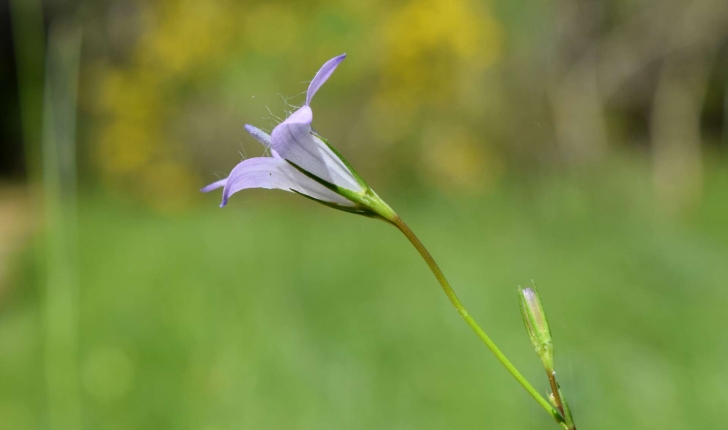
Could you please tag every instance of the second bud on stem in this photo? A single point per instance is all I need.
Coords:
(537, 326)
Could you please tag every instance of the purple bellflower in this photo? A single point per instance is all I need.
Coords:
(305, 163)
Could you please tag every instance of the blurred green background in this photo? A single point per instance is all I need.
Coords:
(581, 144)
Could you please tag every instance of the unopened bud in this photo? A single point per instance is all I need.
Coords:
(534, 318)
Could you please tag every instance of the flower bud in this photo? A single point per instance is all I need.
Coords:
(534, 318)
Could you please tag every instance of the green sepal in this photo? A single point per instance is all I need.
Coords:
(354, 210)
(567, 411)
(367, 200)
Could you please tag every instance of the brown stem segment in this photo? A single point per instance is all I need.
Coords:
(559, 401)
(555, 391)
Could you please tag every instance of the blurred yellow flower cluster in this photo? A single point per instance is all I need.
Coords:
(430, 41)
(436, 51)
(418, 56)
(135, 149)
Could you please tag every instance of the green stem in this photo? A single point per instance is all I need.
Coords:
(473, 325)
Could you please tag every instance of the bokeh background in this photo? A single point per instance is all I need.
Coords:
(579, 143)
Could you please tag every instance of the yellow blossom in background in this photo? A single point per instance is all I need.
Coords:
(266, 38)
(187, 34)
(435, 51)
(428, 42)
(139, 102)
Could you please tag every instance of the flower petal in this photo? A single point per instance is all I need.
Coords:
(275, 173)
(294, 140)
(214, 186)
(322, 75)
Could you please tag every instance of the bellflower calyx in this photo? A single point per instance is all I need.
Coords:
(305, 163)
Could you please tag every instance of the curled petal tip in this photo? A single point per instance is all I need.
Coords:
(322, 75)
(214, 186)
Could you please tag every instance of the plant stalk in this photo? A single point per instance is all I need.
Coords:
(560, 403)
(397, 221)
(555, 391)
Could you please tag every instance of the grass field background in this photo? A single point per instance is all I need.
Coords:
(277, 313)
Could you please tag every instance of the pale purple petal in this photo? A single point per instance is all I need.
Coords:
(214, 186)
(275, 173)
(294, 140)
(322, 75)
(258, 134)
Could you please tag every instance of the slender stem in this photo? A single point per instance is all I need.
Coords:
(473, 325)
(557, 394)
(560, 403)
